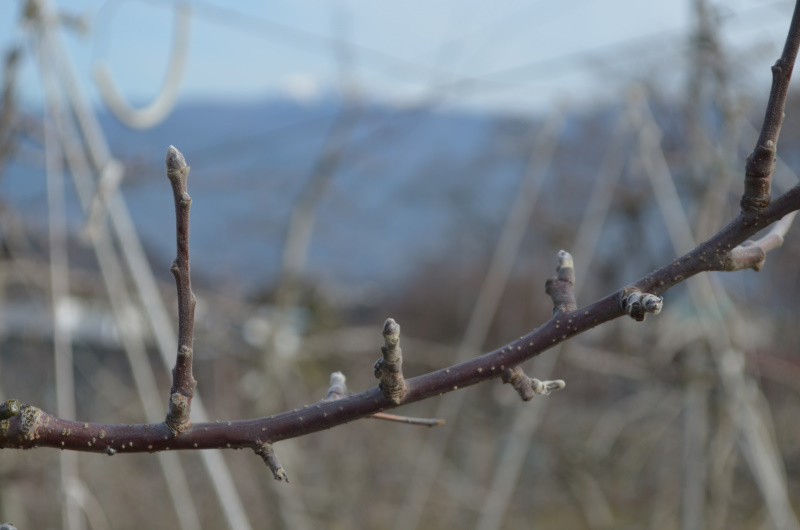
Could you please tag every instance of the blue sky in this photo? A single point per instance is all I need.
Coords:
(517, 56)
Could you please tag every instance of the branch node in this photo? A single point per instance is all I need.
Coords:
(758, 172)
(267, 454)
(389, 369)
(178, 415)
(29, 421)
(561, 287)
(637, 304)
(528, 387)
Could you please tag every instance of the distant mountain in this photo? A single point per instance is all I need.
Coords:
(392, 197)
(406, 189)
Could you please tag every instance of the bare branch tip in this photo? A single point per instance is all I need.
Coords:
(565, 260)
(175, 160)
(338, 378)
(391, 328)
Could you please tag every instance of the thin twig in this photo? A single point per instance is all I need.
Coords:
(267, 453)
(761, 162)
(9, 111)
(428, 422)
(183, 383)
(97, 149)
(111, 271)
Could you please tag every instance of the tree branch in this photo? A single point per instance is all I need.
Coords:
(24, 426)
(32, 427)
(183, 383)
(761, 162)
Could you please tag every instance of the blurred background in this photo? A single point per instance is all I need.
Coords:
(353, 161)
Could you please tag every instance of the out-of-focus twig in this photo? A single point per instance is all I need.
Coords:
(113, 279)
(8, 102)
(505, 254)
(760, 451)
(131, 248)
(59, 289)
(526, 422)
(163, 103)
